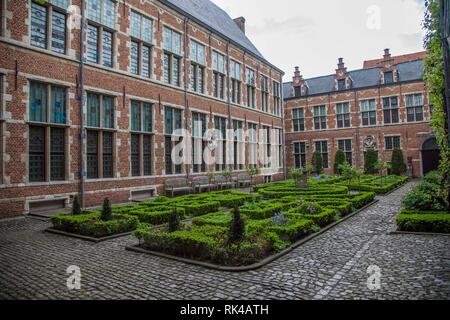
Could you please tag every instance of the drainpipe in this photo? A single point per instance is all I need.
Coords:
(229, 126)
(186, 80)
(82, 106)
(284, 129)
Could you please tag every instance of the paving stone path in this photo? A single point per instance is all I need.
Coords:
(332, 266)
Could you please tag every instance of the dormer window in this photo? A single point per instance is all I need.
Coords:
(341, 85)
(298, 91)
(388, 77)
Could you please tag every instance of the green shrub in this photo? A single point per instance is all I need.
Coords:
(76, 207)
(324, 218)
(295, 230)
(237, 228)
(370, 162)
(435, 222)
(106, 210)
(339, 160)
(309, 208)
(317, 162)
(217, 219)
(422, 200)
(398, 165)
(174, 221)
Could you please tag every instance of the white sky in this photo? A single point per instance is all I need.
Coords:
(313, 34)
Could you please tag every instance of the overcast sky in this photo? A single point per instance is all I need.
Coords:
(313, 34)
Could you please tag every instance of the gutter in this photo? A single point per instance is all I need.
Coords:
(82, 106)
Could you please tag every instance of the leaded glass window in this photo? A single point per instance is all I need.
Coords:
(141, 27)
(57, 154)
(134, 60)
(107, 48)
(135, 156)
(36, 161)
(343, 115)
(58, 105)
(38, 25)
(92, 154)
(102, 11)
(38, 102)
(58, 32)
(369, 112)
(414, 107)
(93, 110)
(107, 154)
(92, 43)
(172, 41)
(108, 112)
(390, 110)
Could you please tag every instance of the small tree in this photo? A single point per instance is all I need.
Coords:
(357, 174)
(398, 163)
(382, 168)
(174, 220)
(347, 172)
(227, 173)
(317, 162)
(253, 170)
(370, 161)
(339, 159)
(237, 228)
(210, 177)
(106, 211)
(76, 208)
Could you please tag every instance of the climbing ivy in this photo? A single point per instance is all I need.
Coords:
(435, 82)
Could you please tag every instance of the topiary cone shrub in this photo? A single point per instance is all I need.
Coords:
(339, 159)
(317, 162)
(398, 165)
(106, 210)
(370, 161)
(174, 221)
(76, 208)
(237, 228)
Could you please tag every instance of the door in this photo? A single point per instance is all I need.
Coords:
(430, 156)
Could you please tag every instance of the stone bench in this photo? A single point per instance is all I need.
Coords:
(201, 183)
(177, 185)
(243, 180)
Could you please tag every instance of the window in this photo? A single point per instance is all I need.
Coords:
(172, 123)
(388, 77)
(250, 79)
(238, 150)
(218, 66)
(390, 110)
(300, 154)
(322, 147)
(102, 12)
(278, 147)
(369, 112)
(172, 56)
(414, 107)
(298, 119)
(142, 35)
(197, 69)
(48, 26)
(47, 138)
(253, 143)
(297, 91)
(346, 147)
(265, 94)
(277, 98)
(100, 136)
(341, 85)
(99, 40)
(220, 125)
(141, 138)
(199, 144)
(267, 147)
(236, 78)
(343, 115)
(320, 117)
(392, 143)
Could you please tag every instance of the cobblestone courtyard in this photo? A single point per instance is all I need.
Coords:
(332, 266)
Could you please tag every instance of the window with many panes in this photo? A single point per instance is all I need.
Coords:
(322, 147)
(414, 107)
(278, 147)
(48, 25)
(388, 77)
(218, 66)
(141, 138)
(238, 145)
(250, 79)
(100, 136)
(100, 31)
(343, 115)
(252, 143)
(47, 132)
(172, 126)
(172, 57)
(298, 119)
(199, 143)
(266, 147)
(346, 147)
(277, 98)
(236, 78)
(369, 112)
(392, 142)
(141, 42)
(220, 126)
(299, 154)
(264, 94)
(341, 85)
(320, 117)
(197, 67)
(390, 110)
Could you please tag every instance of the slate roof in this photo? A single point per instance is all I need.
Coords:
(362, 78)
(217, 19)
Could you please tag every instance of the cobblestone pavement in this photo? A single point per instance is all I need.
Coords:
(332, 266)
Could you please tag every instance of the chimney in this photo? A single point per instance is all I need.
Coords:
(341, 64)
(240, 23)
(387, 54)
(298, 78)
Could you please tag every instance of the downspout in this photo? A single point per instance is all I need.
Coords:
(82, 106)
(186, 101)
(283, 129)
(228, 99)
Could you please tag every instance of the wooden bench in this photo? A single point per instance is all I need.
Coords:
(177, 185)
(243, 180)
(223, 182)
(202, 183)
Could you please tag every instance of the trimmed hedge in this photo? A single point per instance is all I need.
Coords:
(295, 230)
(216, 219)
(424, 221)
(91, 225)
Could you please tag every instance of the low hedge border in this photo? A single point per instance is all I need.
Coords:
(86, 238)
(424, 221)
(255, 266)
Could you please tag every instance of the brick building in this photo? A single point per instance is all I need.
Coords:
(382, 106)
(148, 67)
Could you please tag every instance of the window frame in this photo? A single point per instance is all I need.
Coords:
(265, 93)
(300, 158)
(320, 119)
(325, 160)
(343, 119)
(390, 110)
(174, 169)
(392, 142)
(276, 98)
(203, 118)
(347, 149)
(219, 75)
(369, 112)
(298, 121)
(414, 107)
(251, 87)
(220, 125)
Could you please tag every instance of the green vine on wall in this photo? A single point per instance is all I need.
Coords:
(435, 82)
